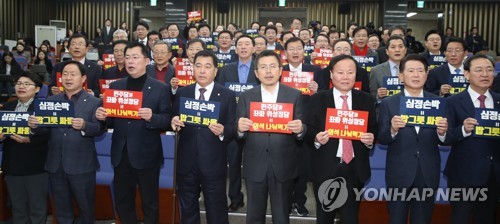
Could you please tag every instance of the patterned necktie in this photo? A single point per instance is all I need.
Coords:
(396, 70)
(346, 144)
(457, 71)
(481, 99)
(202, 94)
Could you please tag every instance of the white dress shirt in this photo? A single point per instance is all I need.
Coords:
(452, 69)
(270, 97)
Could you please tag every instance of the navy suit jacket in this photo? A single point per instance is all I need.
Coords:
(94, 73)
(321, 159)
(469, 160)
(114, 73)
(408, 148)
(438, 77)
(271, 149)
(141, 138)
(69, 147)
(229, 73)
(198, 146)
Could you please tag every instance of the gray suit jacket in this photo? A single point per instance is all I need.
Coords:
(69, 147)
(280, 151)
(377, 77)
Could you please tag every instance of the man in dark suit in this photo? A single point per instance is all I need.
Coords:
(344, 47)
(136, 149)
(271, 34)
(410, 40)
(413, 160)
(474, 162)
(202, 156)
(294, 49)
(72, 158)
(107, 32)
(238, 72)
(78, 50)
(433, 44)
(332, 157)
(142, 30)
(438, 81)
(270, 159)
(118, 71)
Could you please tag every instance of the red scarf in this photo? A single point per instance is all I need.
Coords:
(360, 52)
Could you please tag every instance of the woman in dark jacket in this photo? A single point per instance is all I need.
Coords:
(9, 67)
(23, 158)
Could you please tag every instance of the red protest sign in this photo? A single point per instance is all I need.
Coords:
(184, 74)
(298, 80)
(346, 124)
(104, 83)
(194, 15)
(182, 61)
(109, 60)
(271, 117)
(358, 85)
(122, 103)
(323, 57)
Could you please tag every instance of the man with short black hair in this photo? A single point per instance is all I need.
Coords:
(107, 32)
(270, 34)
(142, 29)
(136, 149)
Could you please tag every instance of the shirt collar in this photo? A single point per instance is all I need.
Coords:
(421, 94)
(452, 69)
(275, 91)
(27, 102)
(474, 95)
(247, 63)
(208, 88)
(337, 93)
(81, 61)
(298, 68)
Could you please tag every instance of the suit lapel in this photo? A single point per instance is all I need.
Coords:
(257, 97)
(147, 88)
(467, 104)
(387, 68)
(496, 100)
(282, 94)
(216, 95)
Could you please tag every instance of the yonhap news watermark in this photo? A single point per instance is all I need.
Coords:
(333, 193)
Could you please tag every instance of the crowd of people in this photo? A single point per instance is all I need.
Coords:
(277, 166)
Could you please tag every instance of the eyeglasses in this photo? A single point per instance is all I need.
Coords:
(24, 84)
(77, 44)
(295, 49)
(455, 51)
(267, 67)
(434, 39)
(159, 53)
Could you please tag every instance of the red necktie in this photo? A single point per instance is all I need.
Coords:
(202, 94)
(346, 144)
(481, 99)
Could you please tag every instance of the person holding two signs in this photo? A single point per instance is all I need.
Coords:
(202, 155)
(340, 156)
(413, 159)
(271, 147)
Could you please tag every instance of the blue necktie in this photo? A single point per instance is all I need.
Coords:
(457, 71)
(243, 76)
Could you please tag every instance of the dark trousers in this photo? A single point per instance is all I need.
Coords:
(66, 186)
(28, 195)
(300, 183)
(482, 212)
(234, 157)
(419, 211)
(349, 211)
(125, 184)
(189, 186)
(279, 193)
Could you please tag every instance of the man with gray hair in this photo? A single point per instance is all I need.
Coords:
(162, 70)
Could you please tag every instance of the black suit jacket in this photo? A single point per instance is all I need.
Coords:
(271, 149)
(470, 159)
(436, 78)
(94, 73)
(141, 138)
(24, 159)
(114, 73)
(198, 146)
(229, 73)
(107, 37)
(322, 166)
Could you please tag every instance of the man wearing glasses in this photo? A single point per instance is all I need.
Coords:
(162, 70)
(270, 158)
(78, 46)
(438, 81)
(136, 149)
